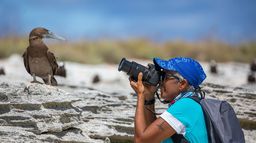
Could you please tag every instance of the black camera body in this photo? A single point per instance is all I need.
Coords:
(150, 75)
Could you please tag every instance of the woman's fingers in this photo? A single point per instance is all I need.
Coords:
(137, 86)
(140, 78)
(133, 84)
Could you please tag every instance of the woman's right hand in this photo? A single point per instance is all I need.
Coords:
(138, 86)
(148, 92)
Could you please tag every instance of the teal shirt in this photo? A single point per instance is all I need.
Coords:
(190, 114)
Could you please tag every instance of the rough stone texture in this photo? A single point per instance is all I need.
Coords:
(41, 113)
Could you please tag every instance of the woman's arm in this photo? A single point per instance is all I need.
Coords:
(148, 130)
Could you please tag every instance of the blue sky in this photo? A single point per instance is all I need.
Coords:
(160, 20)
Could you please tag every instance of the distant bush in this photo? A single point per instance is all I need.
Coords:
(247, 124)
(111, 51)
(11, 45)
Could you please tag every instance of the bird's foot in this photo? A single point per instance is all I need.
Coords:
(26, 89)
(48, 84)
(35, 81)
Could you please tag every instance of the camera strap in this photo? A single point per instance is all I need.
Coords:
(162, 101)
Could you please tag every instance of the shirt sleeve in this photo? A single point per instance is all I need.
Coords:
(182, 115)
(186, 111)
(173, 122)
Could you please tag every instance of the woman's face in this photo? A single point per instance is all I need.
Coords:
(170, 87)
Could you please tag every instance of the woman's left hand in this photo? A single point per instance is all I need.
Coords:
(138, 86)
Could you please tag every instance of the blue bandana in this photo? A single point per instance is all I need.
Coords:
(182, 95)
(188, 68)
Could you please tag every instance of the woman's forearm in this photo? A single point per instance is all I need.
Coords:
(140, 120)
(149, 111)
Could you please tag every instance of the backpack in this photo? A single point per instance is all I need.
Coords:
(221, 122)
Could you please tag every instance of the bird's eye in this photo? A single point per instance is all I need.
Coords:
(34, 38)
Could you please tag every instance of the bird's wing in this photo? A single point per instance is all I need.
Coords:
(52, 61)
(26, 62)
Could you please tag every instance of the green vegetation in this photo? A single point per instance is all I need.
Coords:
(111, 51)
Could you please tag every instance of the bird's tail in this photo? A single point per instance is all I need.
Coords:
(61, 71)
(53, 81)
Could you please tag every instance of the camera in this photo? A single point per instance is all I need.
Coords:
(150, 75)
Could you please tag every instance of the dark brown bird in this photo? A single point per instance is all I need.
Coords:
(38, 60)
(2, 71)
(213, 67)
(253, 65)
(251, 78)
(96, 79)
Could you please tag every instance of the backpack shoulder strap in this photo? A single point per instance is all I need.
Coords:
(178, 138)
(195, 98)
(208, 122)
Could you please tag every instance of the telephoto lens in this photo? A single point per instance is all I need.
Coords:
(150, 75)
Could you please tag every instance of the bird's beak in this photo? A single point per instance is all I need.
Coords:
(54, 36)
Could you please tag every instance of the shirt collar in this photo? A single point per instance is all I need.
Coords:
(184, 94)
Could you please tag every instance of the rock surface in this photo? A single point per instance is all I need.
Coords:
(82, 112)
(41, 113)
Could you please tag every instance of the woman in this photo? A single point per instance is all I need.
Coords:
(181, 78)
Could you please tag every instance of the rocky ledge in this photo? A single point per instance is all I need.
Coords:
(41, 113)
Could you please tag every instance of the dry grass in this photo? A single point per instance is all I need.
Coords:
(10, 45)
(110, 51)
(247, 124)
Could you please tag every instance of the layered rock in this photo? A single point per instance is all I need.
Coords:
(41, 113)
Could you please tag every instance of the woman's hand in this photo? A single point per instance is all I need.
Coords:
(148, 91)
(138, 86)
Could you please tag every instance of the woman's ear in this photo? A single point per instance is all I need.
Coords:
(183, 85)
